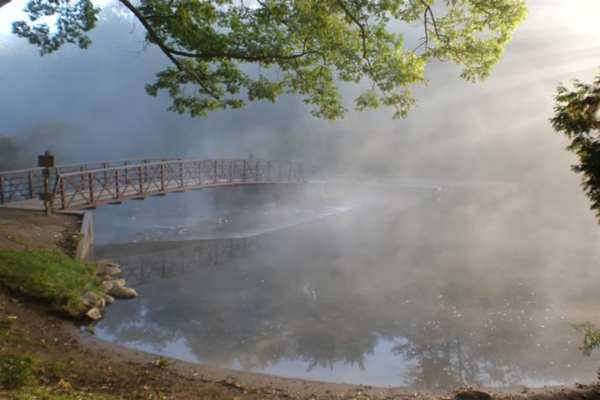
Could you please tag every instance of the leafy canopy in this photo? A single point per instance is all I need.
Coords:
(577, 115)
(226, 53)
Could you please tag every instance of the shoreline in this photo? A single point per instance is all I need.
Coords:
(301, 386)
(91, 364)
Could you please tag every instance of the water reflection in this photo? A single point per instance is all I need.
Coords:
(149, 261)
(425, 302)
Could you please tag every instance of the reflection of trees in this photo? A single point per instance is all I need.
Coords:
(148, 261)
(324, 297)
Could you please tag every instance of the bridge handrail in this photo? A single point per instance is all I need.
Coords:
(90, 184)
(83, 164)
(110, 185)
(24, 184)
(167, 162)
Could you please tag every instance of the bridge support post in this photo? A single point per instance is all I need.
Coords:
(61, 188)
(162, 177)
(181, 184)
(117, 189)
(91, 187)
(199, 171)
(30, 184)
(215, 171)
(244, 171)
(1, 189)
(269, 171)
(141, 179)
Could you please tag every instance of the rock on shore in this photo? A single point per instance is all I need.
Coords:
(115, 289)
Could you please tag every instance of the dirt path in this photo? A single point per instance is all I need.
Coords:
(23, 229)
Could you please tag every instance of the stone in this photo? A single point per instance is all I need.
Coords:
(108, 263)
(108, 269)
(472, 395)
(108, 285)
(94, 314)
(119, 282)
(109, 299)
(92, 299)
(122, 292)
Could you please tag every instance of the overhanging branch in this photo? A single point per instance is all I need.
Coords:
(167, 51)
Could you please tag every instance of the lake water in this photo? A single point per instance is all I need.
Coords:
(386, 285)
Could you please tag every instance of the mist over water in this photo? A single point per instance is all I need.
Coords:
(400, 288)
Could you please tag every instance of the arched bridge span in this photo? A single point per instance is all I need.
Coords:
(92, 185)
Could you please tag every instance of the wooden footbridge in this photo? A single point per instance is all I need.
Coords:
(80, 186)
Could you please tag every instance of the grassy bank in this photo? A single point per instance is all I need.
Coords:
(49, 276)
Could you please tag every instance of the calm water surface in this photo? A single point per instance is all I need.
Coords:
(425, 288)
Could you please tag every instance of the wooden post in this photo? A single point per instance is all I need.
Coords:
(117, 188)
(199, 170)
(244, 171)
(105, 166)
(63, 200)
(181, 173)
(91, 187)
(215, 171)
(162, 177)
(1, 189)
(30, 182)
(126, 174)
(141, 179)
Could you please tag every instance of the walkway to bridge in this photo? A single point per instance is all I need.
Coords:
(80, 186)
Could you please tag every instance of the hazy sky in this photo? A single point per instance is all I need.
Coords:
(94, 100)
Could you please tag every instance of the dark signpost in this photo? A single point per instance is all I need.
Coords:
(46, 161)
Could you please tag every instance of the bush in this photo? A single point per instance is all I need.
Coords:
(15, 371)
(591, 337)
(49, 276)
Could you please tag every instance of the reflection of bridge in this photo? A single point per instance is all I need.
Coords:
(91, 185)
(146, 262)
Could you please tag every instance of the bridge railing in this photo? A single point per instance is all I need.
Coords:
(25, 184)
(94, 187)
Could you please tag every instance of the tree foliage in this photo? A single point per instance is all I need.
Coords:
(577, 115)
(226, 53)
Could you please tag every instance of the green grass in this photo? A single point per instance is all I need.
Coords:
(49, 276)
(15, 371)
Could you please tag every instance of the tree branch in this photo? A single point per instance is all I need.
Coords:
(241, 56)
(167, 51)
(4, 2)
(363, 32)
(429, 10)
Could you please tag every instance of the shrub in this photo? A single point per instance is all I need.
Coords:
(591, 337)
